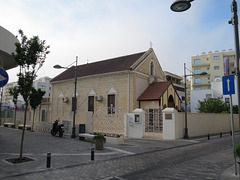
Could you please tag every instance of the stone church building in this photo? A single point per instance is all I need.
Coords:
(108, 89)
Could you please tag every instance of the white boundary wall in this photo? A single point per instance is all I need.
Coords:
(199, 124)
(203, 123)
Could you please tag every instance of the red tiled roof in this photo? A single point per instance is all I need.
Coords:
(154, 91)
(100, 67)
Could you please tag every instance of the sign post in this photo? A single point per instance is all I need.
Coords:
(229, 88)
(3, 82)
(3, 77)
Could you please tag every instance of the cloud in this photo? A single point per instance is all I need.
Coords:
(96, 30)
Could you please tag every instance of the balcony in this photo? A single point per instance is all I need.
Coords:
(202, 83)
(7, 46)
(201, 65)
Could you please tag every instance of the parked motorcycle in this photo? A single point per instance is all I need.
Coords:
(57, 129)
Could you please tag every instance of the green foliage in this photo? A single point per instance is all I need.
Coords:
(235, 109)
(182, 109)
(14, 93)
(98, 137)
(224, 112)
(25, 83)
(238, 150)
(213, 105)
(36, 97)
(30, 53)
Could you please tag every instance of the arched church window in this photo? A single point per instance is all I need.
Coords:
(151, 68)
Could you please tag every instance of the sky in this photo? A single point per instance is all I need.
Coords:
(96, 30)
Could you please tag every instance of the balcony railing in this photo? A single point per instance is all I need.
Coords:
(202, 83)
(201, 64)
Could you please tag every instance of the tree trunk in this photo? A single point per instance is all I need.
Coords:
(23, 131)
(33, 119)
(14, 116)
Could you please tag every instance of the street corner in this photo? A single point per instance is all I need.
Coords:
(228, 174)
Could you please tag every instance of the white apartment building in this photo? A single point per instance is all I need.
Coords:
(215, 64)
(42, 83)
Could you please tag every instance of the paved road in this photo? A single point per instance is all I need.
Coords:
(136, 159)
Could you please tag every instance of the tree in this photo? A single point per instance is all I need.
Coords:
(35, 100)
(30, 55)
(14, 93)
(213, 105)
(235, 109)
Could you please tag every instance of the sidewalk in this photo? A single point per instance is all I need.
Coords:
(229, 174)
(69, 154)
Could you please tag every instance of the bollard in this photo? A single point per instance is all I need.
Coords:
(48, 160)
(220, 134)
(230, 133)
(92, 154)
(208, 136)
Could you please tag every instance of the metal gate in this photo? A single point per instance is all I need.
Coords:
(109, 121)
(153, 122)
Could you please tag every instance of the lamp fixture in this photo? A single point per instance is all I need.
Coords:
(181, 5)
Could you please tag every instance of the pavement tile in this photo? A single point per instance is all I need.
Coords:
(136, 159)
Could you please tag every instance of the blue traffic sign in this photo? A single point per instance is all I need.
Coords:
(228, 85)
(3, 77)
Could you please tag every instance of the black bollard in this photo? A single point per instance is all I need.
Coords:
(92, 154)
(230, 133)
(220, 134)
(48, 160)
(208, 136)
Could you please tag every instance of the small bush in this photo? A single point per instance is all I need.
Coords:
(98, 137)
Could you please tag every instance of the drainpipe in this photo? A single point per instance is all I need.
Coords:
(128, 92)
(51, 102)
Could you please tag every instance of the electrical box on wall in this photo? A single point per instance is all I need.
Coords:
(137, 118)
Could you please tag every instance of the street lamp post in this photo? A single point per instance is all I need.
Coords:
(74, 101)
(183, 5)
(185, 91)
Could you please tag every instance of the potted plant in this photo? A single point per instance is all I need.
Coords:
(99, 139)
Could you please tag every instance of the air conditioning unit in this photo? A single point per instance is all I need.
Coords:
(98, 98)
(218, 80)
(65, 99)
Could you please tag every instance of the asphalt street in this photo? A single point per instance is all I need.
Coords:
(135, 159)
